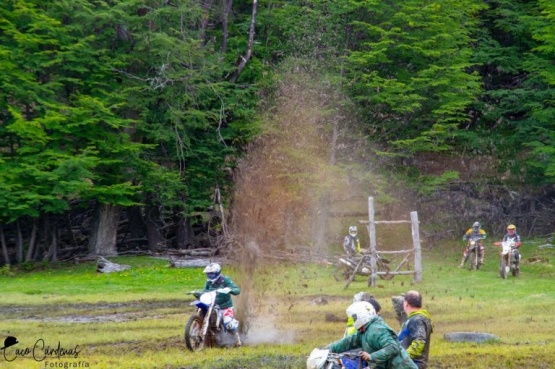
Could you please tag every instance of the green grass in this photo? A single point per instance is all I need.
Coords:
(134, 319)
(148, 278)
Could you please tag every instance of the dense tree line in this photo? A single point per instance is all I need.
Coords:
(137, 110)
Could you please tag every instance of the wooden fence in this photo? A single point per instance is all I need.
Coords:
(374, 253)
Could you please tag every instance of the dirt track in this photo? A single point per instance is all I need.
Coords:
(88, 312)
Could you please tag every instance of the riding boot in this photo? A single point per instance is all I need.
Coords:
(463, 261)
(238, 340)
(481, 262)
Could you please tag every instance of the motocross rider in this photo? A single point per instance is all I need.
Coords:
(361, 296)
(351, 243)
(475, 231)
(511, 233)
(378, 342)
(222, 284)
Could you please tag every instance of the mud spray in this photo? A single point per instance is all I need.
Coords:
(284, 185)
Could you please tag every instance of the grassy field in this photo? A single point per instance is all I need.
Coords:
(134, 319)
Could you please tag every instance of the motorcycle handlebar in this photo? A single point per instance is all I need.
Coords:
(195, 293)
(351, 355)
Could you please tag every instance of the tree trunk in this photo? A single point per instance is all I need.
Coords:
(19, 250)
(156, 240)
(52, 254)
(225, 24)
(206, 6)
(104, 230)
(242, 61)
(32, 241)
(184, 236)
(51, 231)
(41, 246)
(4, 246)
(136, 225)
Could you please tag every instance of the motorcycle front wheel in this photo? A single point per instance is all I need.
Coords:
(193, 333)
(503, 268)
(474, 265)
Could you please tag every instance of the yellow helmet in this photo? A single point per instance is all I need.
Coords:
(511, 227)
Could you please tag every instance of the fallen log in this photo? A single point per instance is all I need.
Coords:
(103, 265)
(194, 252)
(189, 263)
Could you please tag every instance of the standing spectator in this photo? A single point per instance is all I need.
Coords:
(416, 332)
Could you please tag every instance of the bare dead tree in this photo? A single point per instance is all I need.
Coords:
(243, 59)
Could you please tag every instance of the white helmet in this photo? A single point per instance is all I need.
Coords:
(317, 359)
(213, 271)
(362, 312)
(353, 230)
(476, 225)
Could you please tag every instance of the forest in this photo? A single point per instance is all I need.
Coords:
(145, 126)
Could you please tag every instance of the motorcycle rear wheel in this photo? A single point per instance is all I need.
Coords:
(193, 334)
(515, 270)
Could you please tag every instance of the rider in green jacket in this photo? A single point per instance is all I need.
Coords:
(224, 286)
(379, 343)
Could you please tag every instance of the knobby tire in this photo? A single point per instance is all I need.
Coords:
(503, 268)
(193, 334)
(474, 261)
(515, 267)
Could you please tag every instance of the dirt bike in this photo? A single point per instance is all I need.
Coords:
(324, 359)
(509, 260)
(206, 327)
(347, 264)
(474, 252)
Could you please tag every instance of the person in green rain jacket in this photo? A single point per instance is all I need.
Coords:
(378, 342)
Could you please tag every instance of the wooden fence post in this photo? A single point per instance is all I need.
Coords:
(417, 250)
(372, 234)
